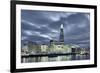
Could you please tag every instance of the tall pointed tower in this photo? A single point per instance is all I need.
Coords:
(61, 38)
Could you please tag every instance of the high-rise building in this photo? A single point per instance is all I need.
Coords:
(61, 38)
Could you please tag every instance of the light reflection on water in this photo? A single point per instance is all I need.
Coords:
(57, 58)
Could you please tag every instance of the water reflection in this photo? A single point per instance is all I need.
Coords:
(57, 58)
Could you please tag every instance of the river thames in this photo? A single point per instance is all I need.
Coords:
(55, 58)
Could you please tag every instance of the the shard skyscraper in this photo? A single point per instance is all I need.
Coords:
(61, 38)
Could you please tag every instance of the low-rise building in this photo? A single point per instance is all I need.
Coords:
(44, 48)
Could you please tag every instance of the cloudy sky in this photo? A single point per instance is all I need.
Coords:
(43, 26)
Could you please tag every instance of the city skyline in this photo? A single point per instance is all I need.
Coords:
(43, 26)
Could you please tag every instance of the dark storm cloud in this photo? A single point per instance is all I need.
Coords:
(42, 26)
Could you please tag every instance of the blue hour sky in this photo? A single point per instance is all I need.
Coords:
(43, 26)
